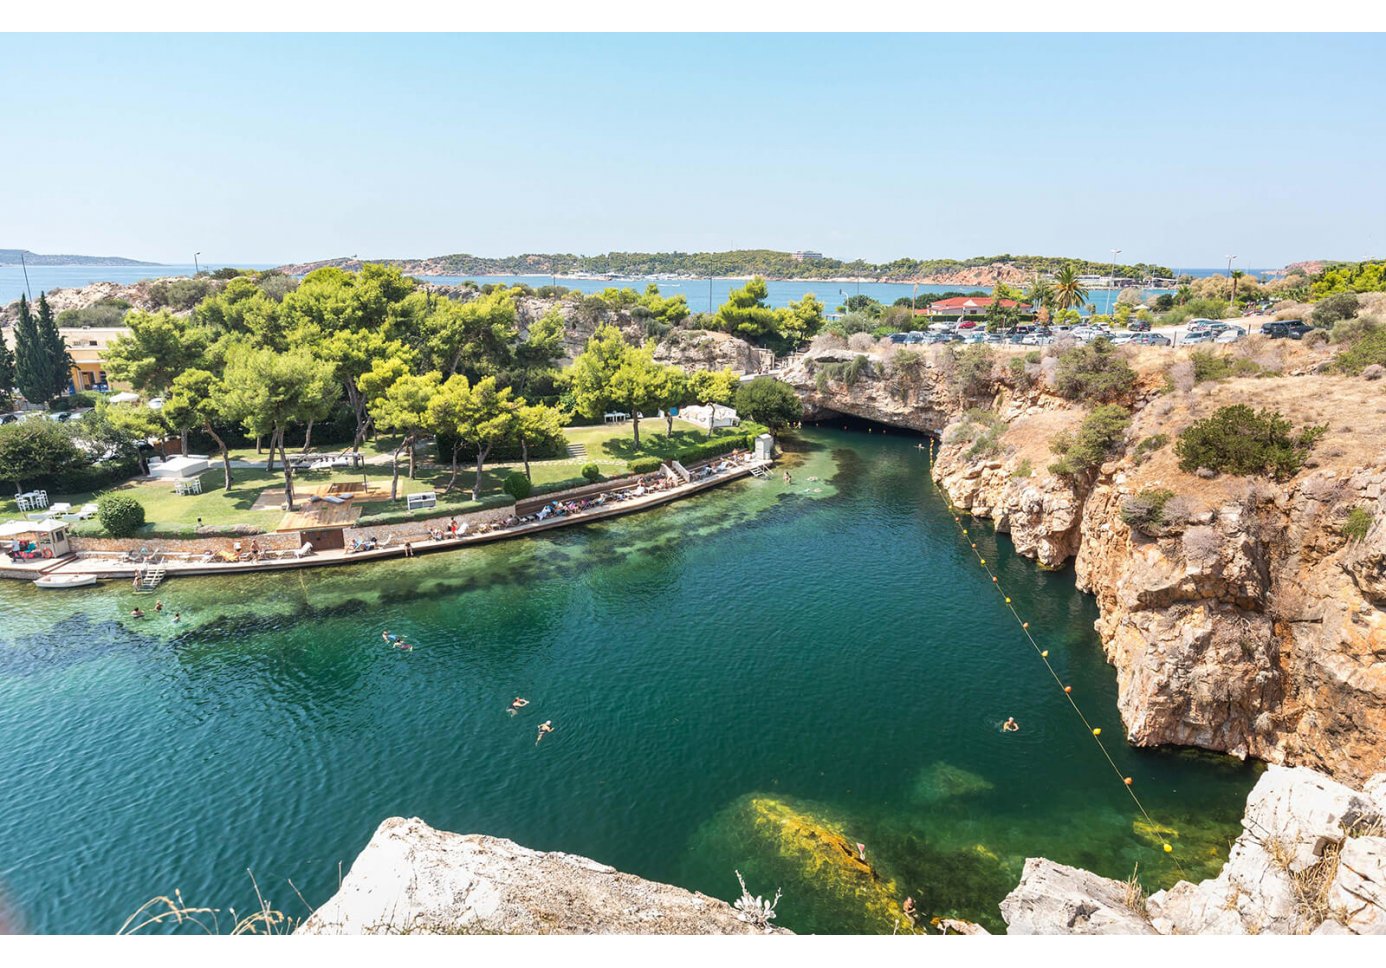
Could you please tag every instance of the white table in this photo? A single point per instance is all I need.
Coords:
(30, 500)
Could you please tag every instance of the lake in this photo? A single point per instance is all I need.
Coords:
(728, 676)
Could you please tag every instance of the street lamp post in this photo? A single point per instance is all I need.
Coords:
(197, 269)
(1112, 299)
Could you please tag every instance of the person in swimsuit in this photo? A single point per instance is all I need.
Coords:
(518, 704)
(1010, 726)
(545, 727)
(137, 612)
(403, 646)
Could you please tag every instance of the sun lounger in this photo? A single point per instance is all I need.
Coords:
(306, 550)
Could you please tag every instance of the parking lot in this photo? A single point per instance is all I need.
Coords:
(1195, 332)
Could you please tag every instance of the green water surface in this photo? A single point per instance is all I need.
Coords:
(825, 654)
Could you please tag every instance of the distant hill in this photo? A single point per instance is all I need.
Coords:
(746, 262)
(11, 257)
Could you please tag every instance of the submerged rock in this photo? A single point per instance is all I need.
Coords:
(944, 781)
(413, 879)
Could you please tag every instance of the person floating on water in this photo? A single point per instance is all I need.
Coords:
(137, 612)
(388, 637)
(861, 851)
(545, 727)
(787, 478)
(403, 646)
(909, 909)
(1010, 725)
(158, 606)
(178, 616)
(519, 703)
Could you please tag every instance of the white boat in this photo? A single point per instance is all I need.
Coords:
(65, 581)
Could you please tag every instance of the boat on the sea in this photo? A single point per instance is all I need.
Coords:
(65, 581)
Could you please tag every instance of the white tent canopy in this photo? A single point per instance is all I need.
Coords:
(125, 397)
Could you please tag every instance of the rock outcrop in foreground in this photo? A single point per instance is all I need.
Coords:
(413, 879)
(1311, 860)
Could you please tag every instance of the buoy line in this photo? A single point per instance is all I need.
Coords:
(1094, 731)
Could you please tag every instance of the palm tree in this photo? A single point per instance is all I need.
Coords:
(1068, 290)
(1236, 275)
(1183, 294)
(1040, 296)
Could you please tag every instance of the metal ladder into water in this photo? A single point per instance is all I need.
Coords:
(151, 576)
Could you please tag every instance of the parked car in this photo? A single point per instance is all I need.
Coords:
(1230, 335)
(1193, 337)
(968, 324)
(1281, 328)
(899, 337)
(1152, 339)
(9, 418)
(1199, 325)
(1139, 326)
(1121, 339)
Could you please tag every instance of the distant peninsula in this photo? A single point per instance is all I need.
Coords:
(14, 257)
(980, 270)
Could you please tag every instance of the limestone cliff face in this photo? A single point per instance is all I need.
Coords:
(1311, 859)
(1249, 622)
(413, 879)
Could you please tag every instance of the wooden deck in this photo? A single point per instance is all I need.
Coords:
(323, 514)
(112, 568)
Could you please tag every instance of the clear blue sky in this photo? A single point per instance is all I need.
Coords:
(1175, 149)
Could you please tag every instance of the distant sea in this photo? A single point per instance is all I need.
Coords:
(702, 294)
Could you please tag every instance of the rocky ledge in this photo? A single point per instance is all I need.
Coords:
(1311, 859)
(413, 879)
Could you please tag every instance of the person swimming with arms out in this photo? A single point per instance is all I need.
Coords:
(388, 637)
(519, 703)
(545, 728)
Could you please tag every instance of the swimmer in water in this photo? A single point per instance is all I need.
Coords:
(388, 637)
(137, 612)
(545, 727)
(403, 646)
(518, 704)
(1010, 725)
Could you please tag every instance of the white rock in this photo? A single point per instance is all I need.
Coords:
(1054, 899)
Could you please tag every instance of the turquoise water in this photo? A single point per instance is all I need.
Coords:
(824, 653)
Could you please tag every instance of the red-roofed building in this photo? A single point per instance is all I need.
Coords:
(968, 306)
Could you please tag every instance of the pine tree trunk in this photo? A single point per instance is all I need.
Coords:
(480, 461)
(452, 481)
(307, 438)
(183, 442)
(225, 454)
(269, 462)
(524, 453)
(288, 474)
(635, 423)
(394, 478)
(258, 441)
(411, 459)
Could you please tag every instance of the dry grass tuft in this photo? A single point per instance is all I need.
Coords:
(1311, 888)
(1133, 894)
(174, 912)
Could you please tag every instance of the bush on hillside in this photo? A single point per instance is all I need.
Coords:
(1332, 309)
(120, 515)
(1208, 365)
(769, 401)
(1098, 437)
(972, 371)
(1240, 440)
(1370, 350)
(1093, 372)
(1357, 523)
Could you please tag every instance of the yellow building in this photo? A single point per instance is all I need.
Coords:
(87, 347)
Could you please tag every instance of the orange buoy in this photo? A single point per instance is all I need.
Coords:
(1025, 625)
(1128, 781)
(993, 579)
(1068, 688)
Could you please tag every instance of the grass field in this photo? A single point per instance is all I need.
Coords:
(167, 514)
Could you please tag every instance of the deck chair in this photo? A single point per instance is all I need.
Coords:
(306, 550)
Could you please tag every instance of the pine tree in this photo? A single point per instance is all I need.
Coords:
(6, 375)
(29, 367)
(57, 361)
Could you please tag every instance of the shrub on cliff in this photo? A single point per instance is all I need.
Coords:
(1093, 372)
(980, 431)
(1240, 440)
(1328, 311)
(1208, 365)
(1357, 523)
(972, 371)
(1097, 438)
(120, 515)
(1145, 512)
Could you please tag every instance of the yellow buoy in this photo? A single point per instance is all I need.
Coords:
(1097, 731)
(964, 529)
(1169, 849)
(983, 560)
(1008, 599)
(1044, 654)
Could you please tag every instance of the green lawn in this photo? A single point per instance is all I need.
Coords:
(370, 448)
(609, 446)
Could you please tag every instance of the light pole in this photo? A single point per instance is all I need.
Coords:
(1112, 299)
(196, 268)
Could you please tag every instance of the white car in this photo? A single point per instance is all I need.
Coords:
(1121, 339)
(1230, 335)
(1196, 336)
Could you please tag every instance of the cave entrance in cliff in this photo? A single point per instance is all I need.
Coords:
(832, 420)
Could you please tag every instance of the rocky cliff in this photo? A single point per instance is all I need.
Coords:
(1247, 619)
(1311, 859)
(413, 879)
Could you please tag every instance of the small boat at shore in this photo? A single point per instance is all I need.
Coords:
(65, 581)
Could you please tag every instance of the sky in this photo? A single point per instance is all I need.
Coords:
(1178, 150)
